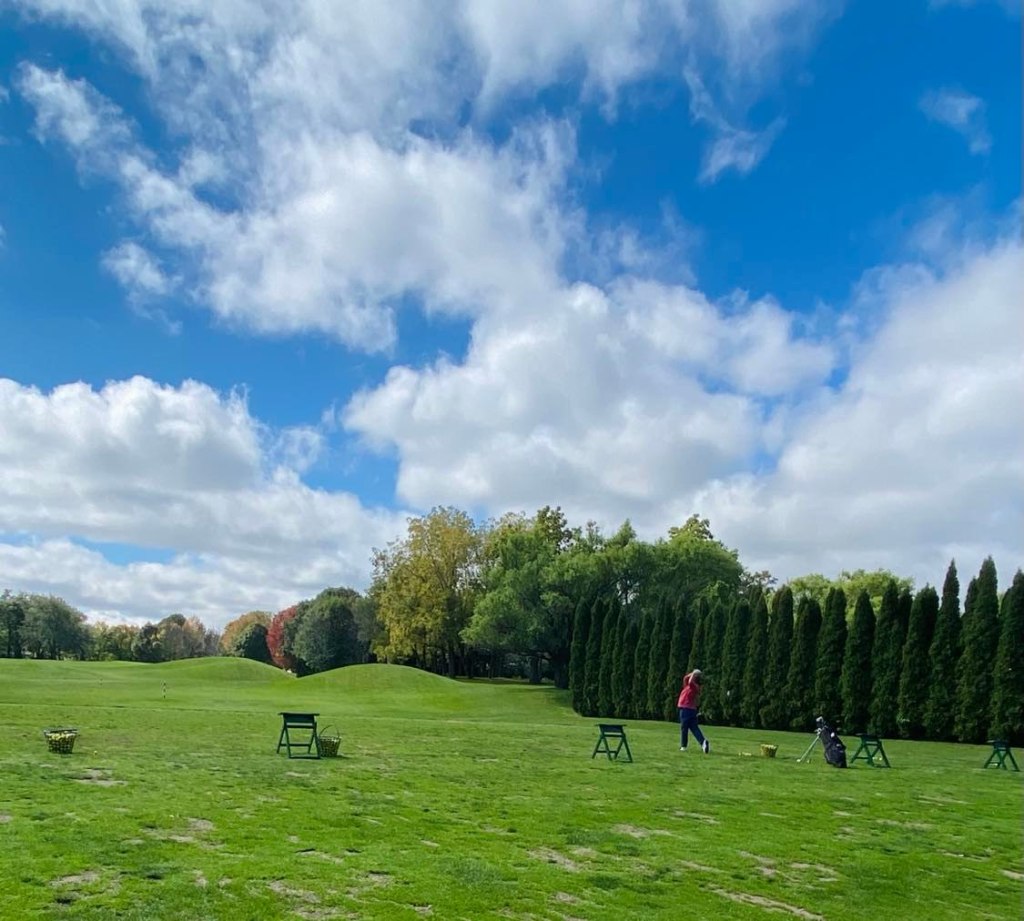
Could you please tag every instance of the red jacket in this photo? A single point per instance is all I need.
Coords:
(689, 697)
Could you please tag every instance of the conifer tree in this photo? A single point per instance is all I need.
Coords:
(734, 648)
(755, 664)
(828, 697)
(886, 659)
(943, 656)
(800, 681)
(592, 681)
(698, 657)
(657, 664)
(857, 677)
(641, 666)
(1007, 718)
(622, 679)
(578, 655)
(679, 653)
(977, 662)
(913, 695)
(609, 642)
(774, 714)
(711, 711)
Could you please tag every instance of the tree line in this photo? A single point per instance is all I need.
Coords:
(47, 627)
(618, 620)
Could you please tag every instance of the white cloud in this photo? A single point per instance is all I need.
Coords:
(732, 147)
(183, 469)
(334, 136)
(919, 457)
(962, 112)
(138, 270)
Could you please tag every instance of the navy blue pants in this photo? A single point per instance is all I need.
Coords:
(687, 724)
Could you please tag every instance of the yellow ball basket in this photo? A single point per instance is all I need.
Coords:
(60, 741)
(328, 742)
(768, 751)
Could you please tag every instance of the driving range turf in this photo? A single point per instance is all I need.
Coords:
(464, 800)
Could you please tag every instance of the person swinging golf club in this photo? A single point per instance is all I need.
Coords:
(688, 703)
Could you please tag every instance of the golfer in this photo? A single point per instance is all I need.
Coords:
(689, 702)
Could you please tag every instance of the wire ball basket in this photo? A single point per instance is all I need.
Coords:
(768, 751)
(327, 743)
(60, 741)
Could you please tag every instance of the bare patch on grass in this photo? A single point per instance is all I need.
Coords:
(429, 843)
(77, 879)
(423, 910)
(825, 874)
(566, 898)
(1012, 874)
(311, 852)
(303, 895)
(98, 777)
(691, 865)
(699, 816)
(913, 826)
(559, 860)
(5, 818)
(200, 880)
(765, 865)
(632, 830)
(200, 825)
(749, 898)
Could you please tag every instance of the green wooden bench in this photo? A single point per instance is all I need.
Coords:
(307, 743)
(869, 749)
(612, 732)
(1000, 755)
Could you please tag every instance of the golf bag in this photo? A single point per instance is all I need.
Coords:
(835, 750)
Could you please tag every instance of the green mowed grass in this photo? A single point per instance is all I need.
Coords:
(464, 800)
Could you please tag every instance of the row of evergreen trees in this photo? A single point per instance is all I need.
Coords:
(915, 668)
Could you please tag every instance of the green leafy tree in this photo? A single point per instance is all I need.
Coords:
(53, 629)
(1007, 717)
(857, 679)
(800, 680)
(755, 665)
(12, 619)
(913, 694)
(737, 632)
(775, 712)
(943, 656)
(527, 603)
(692, 562)
(146, 646)
(974, 671)
(578, 656)
(828, 698)
(813, 585)
(113, 642)
(679, 652)
(251, 643)
(234, 628)
(886, 660)
(874, 582)
(699, 647)
(325, 634)
(425, 586)
(609, 651)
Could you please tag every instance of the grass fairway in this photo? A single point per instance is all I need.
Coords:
(459, 800)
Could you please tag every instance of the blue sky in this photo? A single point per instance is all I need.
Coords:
(274, 277)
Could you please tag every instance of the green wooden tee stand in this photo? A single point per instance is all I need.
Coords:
(1000, 755)
(870, 748)
(612, 732)
(303, 724)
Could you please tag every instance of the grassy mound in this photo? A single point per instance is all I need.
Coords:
(220, 668)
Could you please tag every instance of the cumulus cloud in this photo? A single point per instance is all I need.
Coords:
(333, 163)
(919, 456)
(184, 469)
(962, 112)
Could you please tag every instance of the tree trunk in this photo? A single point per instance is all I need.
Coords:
(534, 670)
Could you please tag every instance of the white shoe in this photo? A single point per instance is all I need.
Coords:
(706, 747)
(682, 748)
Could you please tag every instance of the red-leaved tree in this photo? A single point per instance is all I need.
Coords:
(277, 638)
